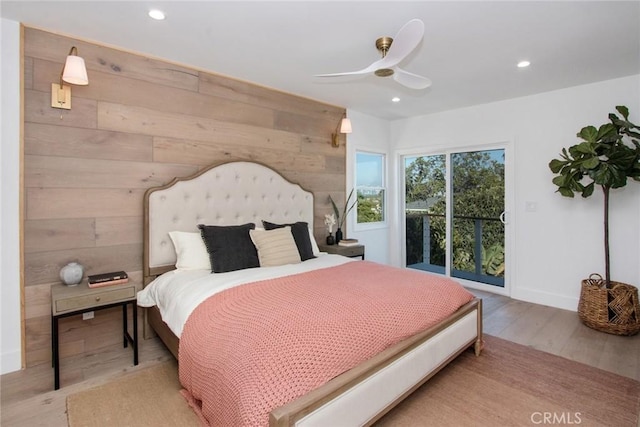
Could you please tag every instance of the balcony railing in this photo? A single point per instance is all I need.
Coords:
(479, 273)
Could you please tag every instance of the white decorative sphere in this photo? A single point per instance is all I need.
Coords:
(71, 274)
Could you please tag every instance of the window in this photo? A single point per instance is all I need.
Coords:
(370, 187)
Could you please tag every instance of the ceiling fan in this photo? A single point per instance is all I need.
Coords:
(403, 44)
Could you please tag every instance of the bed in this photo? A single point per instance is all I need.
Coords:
(236, 193)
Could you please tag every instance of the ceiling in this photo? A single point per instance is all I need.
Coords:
(470, 49)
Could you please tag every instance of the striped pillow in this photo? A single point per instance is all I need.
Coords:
(275, 247)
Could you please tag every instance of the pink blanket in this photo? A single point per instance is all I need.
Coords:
(255, 347)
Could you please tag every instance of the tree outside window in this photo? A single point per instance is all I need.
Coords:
(370, 187)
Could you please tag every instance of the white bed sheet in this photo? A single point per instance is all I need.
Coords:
(178, 292)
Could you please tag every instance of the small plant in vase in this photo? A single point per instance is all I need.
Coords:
(330, 221)
(340, 218)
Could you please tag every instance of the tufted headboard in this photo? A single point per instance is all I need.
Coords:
(227, 194)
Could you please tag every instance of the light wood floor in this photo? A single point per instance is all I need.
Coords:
(28, 399)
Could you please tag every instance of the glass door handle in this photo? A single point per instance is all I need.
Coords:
(503, 216)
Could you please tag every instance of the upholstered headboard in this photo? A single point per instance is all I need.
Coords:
(227, 194)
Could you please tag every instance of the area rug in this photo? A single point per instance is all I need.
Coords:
(509, 384)
(515, 385)
(149, 397)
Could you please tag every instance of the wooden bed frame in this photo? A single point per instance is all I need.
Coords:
(240, 192)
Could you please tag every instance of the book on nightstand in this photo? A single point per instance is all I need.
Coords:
(108, 283)
(106, 277)
(348, 242)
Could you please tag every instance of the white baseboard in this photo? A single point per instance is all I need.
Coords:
(545, 298)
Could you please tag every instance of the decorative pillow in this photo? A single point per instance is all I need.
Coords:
(275, 247)
(191, 253)
(314, 244)
(230, 248)
(301, 235)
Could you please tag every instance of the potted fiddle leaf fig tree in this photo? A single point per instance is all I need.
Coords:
(607, 157)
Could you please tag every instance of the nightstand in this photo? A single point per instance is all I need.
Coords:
(350, 251)
(74, 300)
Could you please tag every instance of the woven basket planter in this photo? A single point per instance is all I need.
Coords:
(614, 310)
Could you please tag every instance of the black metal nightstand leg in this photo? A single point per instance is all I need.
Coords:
(53, 345)
(56, 356)
(124, 325)
(135, 333)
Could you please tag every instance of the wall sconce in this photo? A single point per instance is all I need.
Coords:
(344, 126)
(74, 72)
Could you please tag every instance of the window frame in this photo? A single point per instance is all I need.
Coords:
(363, 226)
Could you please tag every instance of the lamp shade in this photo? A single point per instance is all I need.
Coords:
(345, 126)
(75, 71)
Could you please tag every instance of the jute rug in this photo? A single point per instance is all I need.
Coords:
(508, 385)
(150, 397)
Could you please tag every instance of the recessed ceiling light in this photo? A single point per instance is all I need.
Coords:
(523, 64)
(157, 14)
(395, 99)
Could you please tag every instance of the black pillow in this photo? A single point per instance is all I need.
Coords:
(300, 231)
(230, 248)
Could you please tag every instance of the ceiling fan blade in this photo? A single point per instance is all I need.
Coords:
(409, 36)
(410, 80)
(370, 69)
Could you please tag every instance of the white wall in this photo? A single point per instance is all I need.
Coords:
(10, 348)
(369, 133)
(560, 243)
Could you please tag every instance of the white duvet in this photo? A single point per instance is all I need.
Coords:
(178, 292)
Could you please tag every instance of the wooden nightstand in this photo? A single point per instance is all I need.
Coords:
(73, 300)
(350, 251)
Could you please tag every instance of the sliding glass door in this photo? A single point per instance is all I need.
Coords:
(454, 214)
(425, 209)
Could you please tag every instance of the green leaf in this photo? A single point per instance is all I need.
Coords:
(608, 132)
(601, 176)
(585, 148)
(591, 163)
(609, 176)
(623, 110)
(576, 187)
(624, 158)
(559, 180)
(565, 192)
(335, 209)
(588, 190)
(588, 133)
(621, 182)
(619, 177)
(555, 165)
(347, 209)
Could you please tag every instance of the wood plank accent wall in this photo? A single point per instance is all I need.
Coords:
(139, 123)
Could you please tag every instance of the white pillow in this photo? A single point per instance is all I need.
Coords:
(314, 244)
(275, 247)
(191, 253)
